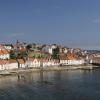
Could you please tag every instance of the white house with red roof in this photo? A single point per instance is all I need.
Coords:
(8, 47)
(49, 62)
(33, 62)
(2, 65)
(95, 60)
(4, 53)
(8, 64)
(43, 62)
(11, 64)
(70, 59)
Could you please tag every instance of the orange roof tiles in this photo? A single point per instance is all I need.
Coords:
(1, 46)
(2, 62)
(1, 53)
(62, 56)
(21, 61)
(96, 58)
(5, 52)
(69, 56)
(12, 61)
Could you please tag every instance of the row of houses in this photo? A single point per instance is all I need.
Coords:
(36, 63)
(4, 53)
(95, 60)
(11, 64)
(70, 59)
(31, 62)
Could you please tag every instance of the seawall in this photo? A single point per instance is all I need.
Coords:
(55, 68)
(52, 68)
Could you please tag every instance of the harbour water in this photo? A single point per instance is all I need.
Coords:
(52, 85)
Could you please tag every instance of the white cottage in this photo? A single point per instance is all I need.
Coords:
(70, 59)
(33, 62)
(49, 63)
(8, 64)
(95, 60)
(11, 64)
(2, 65)
(4, 54)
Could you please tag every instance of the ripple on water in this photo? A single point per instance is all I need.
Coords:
(61, 85)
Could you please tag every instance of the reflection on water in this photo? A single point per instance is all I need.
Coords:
(51, 85)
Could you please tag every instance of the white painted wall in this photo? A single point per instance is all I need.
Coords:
(71, 62)
(11, 66)
(5, 56)
(22, 65)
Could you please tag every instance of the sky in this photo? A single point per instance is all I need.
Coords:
(73, 23)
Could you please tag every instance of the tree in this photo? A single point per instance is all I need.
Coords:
(13, 55)
(55, 54)
(17, 55)
(29, 46)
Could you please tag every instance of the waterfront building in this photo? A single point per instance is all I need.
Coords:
(4, 53)
(49, 48)
(95, 60)
(11, 64)
(8, 64)
(8, 47)
(33, 62)
(21, 63)
(2, 65)
(70, 59)
(42, 62)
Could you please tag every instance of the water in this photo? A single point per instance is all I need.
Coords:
(52, 85)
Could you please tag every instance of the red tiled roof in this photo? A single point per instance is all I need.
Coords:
(11, 61)
(5, 52)
(96, 58)
(2, 62)
(21, 61)
(1, 53)
(62, 56)
(1, 46)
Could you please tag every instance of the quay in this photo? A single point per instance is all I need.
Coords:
(55, 68)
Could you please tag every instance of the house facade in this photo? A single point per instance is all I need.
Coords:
(21, 63)
(11, 64)
(95, 60)
(8, 64)
(70, 59)
(4, 53)
(49, 48)
(33, 62)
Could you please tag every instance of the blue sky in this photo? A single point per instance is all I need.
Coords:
(75, 23)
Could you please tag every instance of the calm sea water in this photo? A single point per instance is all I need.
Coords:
(52, 85)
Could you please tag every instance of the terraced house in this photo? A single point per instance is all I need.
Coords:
(4, 54)
(70, 59)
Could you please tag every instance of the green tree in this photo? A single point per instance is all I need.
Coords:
(13, 55)
(55, 54)
(29, 46)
